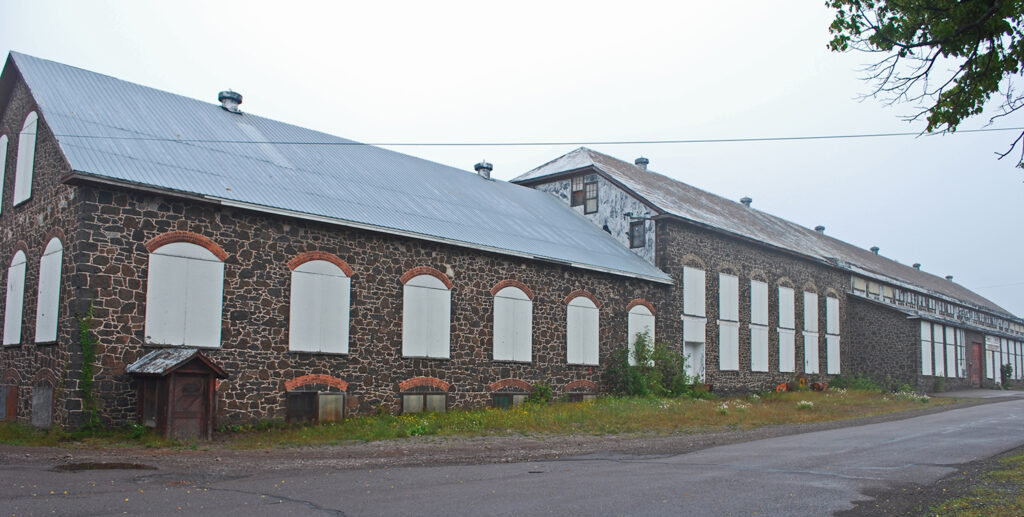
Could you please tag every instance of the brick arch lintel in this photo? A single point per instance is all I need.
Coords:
(829, 292)
(581, 383)
(316, 379)
(512, 283)
(417, 382)
(810, 287)
(58, 233)
(11, 377)
(785, 282)
(510, 383)
(584, 293)
(729, 268)
(426, 270)
(309, 256)
(22, 247)
(759, 275)
(691, 260)
(640, 301)
(182, 236)
(44, 374)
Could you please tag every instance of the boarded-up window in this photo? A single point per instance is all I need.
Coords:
(938, 350)
(508, 400)
(728, 297)
(728, 325)
(859, 285)
(426, 318)
(3, 164)
(420, 402)
(693, 292)
(26, 159)
(184, 296)
(582, 330)
(639, 321)
(758, 326)
(926, 348)
(319, 309)
(513, 325)
(787, 330)
(15, 299)
(811, 332)
(42, 406)
(832, 350)
(951, 352)
(48, 300)
(810, 311)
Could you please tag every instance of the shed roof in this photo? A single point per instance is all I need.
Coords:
(673, 197)
(165, 360)
(114, 130)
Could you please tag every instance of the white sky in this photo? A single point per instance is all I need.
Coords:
(590, 71)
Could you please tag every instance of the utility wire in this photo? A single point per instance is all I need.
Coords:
(525, 144)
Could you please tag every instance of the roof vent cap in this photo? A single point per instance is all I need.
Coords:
(229, 100)
(917, 266)
(819, 229)
(875, 249)
(746, 201)
(642, 162)
(949, 277)
(484, 169)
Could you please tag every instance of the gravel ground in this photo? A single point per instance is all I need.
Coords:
(430, 450)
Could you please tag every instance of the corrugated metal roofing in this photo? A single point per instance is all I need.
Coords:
(682, 200)
(123, 131)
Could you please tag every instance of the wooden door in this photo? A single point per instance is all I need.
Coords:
(10, 402)
(976, 355)
(190, 407)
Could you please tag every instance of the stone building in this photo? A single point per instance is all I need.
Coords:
(302, 263)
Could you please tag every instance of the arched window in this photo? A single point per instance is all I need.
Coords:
(26, 159)
(582, 331)
(728, 322)
(319, 308)
(810, 332)
(639, 320)
(513, 325)
(426, 317)
(15, 299)
(48, 301)
(184, 296)
(3, 166)
(832, 334)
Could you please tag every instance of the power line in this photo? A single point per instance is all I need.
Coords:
(526, 144)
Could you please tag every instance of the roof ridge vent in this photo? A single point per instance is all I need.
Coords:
(642, 162)
(746, 201)
(949, 277)
(484, 169)
(917, 266)
(820, 229)
(229, 100)
(875, 249)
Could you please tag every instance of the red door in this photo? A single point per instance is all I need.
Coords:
(10, 402)
(976, 365)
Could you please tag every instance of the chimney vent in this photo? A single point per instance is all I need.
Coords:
(746, 201)
(917, 266)
(484, 169)
(949, 277)
(229, 100)
(874, 249)
(642, 162)
(819, 229)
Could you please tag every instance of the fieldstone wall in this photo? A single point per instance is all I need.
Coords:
(49, 212)
(680, 243)
(118, 223)
(883, 343)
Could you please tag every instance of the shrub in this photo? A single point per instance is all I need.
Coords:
(657, 372)
(855, 382)
(541, 393)
(1006, 373)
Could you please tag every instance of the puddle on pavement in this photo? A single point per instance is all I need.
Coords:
(100, 465)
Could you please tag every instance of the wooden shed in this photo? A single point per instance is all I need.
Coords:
(177, 392)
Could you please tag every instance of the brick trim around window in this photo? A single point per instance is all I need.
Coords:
(640, 301)
(584, 293)
(426, 270)
(309, 256)
(55, 232)
(512, 283)
(11, 377)
(510, 383)
(581, 385)
(326, 380)
(180, 236)
(19, 246)
(416, 382)
(44, 374)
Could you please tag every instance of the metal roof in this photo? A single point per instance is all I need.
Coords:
(676, 198)
(166, 360)
(121, 131)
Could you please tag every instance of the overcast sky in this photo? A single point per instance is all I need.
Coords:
(585, 72)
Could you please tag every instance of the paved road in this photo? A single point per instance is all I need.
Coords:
(807, 474)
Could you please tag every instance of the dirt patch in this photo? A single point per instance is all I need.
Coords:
(79, 466)
(918, 499)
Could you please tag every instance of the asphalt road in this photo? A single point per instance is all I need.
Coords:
(806, 474)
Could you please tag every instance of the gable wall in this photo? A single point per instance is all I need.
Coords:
(51, 210)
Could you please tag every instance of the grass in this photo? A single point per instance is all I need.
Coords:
(606, 415)
(1001, 492)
